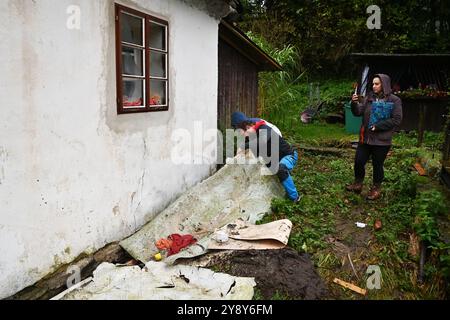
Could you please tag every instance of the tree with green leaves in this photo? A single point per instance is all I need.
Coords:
(324, 32)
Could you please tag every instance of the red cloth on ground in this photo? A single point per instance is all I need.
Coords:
(179, 242)
(164, 244)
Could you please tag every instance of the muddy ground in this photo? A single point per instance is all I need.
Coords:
(278, 273)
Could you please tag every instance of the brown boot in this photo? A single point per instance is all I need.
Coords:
(374, 193)
(355, 187)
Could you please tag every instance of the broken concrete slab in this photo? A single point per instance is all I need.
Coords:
(72, 288)
(157, 281)
(236, 191)
(56, 282)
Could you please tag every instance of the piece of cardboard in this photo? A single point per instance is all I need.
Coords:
(246, 236)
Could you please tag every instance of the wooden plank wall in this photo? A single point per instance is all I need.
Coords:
(434, 119)
(238, 85)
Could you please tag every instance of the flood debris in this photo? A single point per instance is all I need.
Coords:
(353, 267)
(230, 202)
(175, 243)
(360, 224)
(236, 191)
(350, 286)
(221, 236)
(245, 236)
(281, 273)
(377, 225)
(242, 235)
(420, 170)
(157, 281)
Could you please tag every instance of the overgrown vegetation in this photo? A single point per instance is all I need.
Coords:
(282, 96)
(324, 220)
(324, 32)
(279, 92)
(310, 40)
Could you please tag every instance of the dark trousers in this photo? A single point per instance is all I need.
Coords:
(363, 153)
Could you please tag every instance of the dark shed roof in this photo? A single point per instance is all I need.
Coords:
(408, 69)
(239, 41)
(421, 58)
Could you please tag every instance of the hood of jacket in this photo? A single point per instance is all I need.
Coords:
(386, 82)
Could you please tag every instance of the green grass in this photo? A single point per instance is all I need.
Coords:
(285, 100)
(319, 133)
(432, 141)
(327, 210)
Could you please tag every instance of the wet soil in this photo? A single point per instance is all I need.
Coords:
(283, 272)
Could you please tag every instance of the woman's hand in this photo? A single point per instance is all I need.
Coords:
(355, 98)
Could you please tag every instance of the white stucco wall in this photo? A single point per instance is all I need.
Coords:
(74, 175)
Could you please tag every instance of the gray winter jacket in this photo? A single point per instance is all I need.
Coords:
(384, 129)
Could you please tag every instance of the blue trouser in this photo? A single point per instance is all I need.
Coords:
(284, 174)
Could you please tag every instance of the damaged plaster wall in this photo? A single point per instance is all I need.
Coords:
(73, 174)
(215, 8)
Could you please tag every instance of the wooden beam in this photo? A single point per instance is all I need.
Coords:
(350, 286)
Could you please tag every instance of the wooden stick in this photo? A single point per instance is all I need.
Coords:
(353, 267)
(350, 286)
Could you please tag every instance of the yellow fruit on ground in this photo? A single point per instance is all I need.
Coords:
(158, 257)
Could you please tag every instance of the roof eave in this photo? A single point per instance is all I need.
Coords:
(239, 40)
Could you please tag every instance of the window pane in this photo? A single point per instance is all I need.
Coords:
(157, 37)
(133, 93)
(157, 64)
(132, 61)
(131, 29)
(158, 92)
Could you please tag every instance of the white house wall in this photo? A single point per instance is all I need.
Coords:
(74, 175)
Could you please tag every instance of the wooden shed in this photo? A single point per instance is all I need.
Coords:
(445, 173)
(411, 71)
(240, 60)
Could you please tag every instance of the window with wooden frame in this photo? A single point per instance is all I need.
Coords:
(142, 62)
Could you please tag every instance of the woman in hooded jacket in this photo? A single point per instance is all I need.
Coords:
(382, 113)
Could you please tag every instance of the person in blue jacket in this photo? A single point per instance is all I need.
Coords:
(258, 133)
(241, 115)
